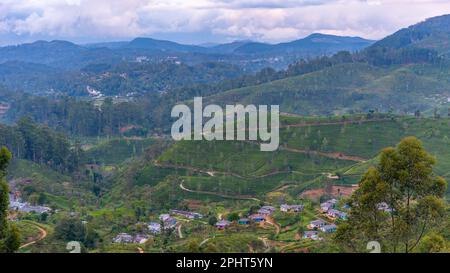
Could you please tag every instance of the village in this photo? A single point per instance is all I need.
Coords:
(16, 204)
(329, 215)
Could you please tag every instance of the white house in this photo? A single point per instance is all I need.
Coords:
(334, 213)
(317, 224)
(326, 206)
(329, 228)
(294, 208)
(313, 235)
(154, 227)
(123, 238)
(140, 239)
(285, 208)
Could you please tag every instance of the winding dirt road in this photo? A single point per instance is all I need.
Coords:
(180, 234)
(43, 234)
(307, 124)
(239, 197)
(334, 155)
(271, 222)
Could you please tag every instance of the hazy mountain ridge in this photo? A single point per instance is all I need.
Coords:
(72, 56)
(322, 42)
(404, 72)
(433, 33)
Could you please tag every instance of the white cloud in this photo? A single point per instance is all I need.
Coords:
(270, 20)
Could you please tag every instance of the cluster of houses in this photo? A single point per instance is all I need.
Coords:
(328, 207)
(125, 238)
(262, 214)
(166, 222)
(17, 205)
(317, 226)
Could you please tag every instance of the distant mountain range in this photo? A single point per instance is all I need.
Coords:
(405, 72)
(322, 43)
(315, 44)
(68, 55)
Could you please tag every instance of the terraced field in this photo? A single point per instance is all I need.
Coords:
(309, 150)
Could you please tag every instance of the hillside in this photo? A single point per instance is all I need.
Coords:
(403, 73)
(351, 87)
(133, 181)
(433, 34)
(112, 79)
(310, 151)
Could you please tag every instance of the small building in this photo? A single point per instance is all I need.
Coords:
(257, 218)
(222, 224)
(187, 214)
(291, 208)
(334, 213)
(269, 208)
(123, 238)
(342, 215)
(265, 212)
(313, 235)
(141, 239)
(154, 227)
(384, 207)
(164, 217)
(168, 221)
(297, 208)
(244, 221)
(317, 224)
(324, 207)
(329, 228)
(285, 208)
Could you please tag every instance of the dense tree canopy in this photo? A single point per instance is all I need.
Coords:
(38, 143)
(9, 235)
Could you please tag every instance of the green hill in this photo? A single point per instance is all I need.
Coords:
(348, 88)
(310, 150)
(405, 72)
(434, 34)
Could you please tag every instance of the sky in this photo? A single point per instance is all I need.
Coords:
(207, 21)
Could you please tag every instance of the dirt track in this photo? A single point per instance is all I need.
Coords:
(41, 237)
(334, 155)
(239, 197)
(307, 124)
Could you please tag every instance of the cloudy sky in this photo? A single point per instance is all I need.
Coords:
(201, 21)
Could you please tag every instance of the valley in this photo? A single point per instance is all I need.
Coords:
(225, 179)
(87, 153)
